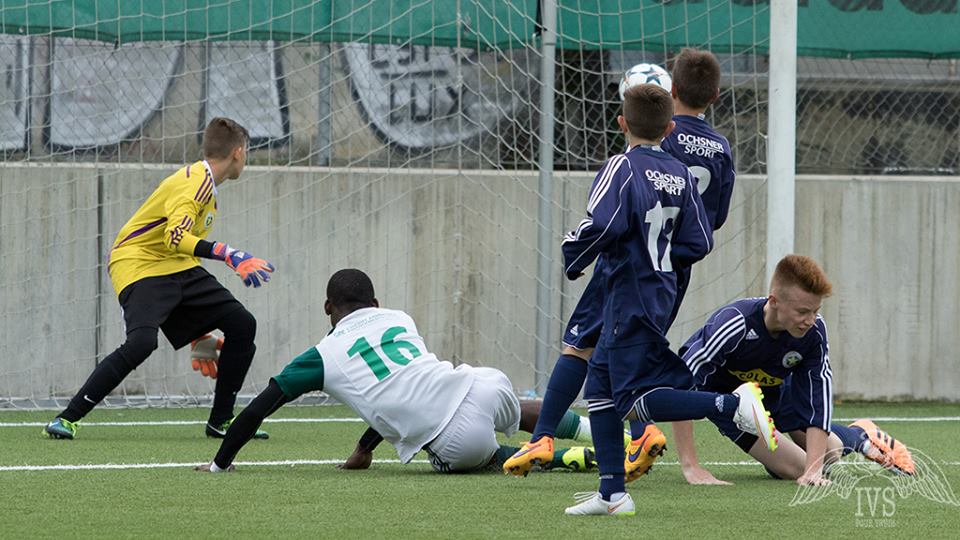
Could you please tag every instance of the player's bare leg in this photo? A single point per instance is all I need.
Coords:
(790, 459)
(787, 462)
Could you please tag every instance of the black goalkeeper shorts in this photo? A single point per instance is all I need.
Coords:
(185, 305)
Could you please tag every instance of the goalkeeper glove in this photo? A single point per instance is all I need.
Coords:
(252, 271)
(205, 353)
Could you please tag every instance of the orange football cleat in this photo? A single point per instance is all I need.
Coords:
(530, 454)
(885, 450)
(643, 451)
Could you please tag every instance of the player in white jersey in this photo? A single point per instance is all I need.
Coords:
(375, 362)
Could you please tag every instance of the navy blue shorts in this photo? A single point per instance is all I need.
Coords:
(784, 409)
(625, 374)
(586, 322)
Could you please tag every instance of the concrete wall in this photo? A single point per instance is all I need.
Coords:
(458, 251)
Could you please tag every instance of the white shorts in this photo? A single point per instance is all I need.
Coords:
(468, 442)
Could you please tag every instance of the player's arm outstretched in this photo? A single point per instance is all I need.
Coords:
(183, 211)
(702, 353)
(606, 218)
(244, 426)
(813, 391)
(362, 455)
(693, 472)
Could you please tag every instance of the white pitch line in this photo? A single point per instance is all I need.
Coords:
(903, 419)
(292, 463)
(190, 422)
(120, 466)
(357, 420)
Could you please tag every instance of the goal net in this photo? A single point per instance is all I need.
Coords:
(401, 138)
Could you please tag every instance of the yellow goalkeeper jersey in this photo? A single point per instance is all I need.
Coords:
(160, 237)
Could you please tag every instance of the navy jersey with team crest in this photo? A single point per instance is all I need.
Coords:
(707, 153)
(645, 215)
(734, 347)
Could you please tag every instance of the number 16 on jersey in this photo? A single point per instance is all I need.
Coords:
(398, 351)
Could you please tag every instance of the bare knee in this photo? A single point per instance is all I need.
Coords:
(583, 354)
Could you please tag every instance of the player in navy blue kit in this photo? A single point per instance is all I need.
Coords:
(695, 86)
(780, 342)
(645, 215)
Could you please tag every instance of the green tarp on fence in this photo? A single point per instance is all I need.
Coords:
(840, 28)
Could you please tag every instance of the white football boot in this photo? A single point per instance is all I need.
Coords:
(751, 417)
(590, 503)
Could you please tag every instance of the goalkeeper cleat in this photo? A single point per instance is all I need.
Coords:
(220, 432)
(530, 454)
(61, 429)
(592, 504)
(641, 453)
(752, 417)
(885, 450)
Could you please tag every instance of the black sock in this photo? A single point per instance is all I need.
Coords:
(239, 328)
(110, 372)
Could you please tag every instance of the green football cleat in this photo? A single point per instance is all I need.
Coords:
(220, 432)
(61, 429)
(577, 458)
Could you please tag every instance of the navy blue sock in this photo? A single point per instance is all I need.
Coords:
(669, 405)
(607, 429)
(637, 428)
(562, 390)
(851, 437)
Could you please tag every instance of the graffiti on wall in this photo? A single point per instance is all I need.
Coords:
(424, 97)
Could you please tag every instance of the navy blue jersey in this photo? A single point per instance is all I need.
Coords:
(645, 215)
(708, 155)
(734, 347)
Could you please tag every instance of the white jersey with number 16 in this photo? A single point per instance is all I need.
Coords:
(376, 363)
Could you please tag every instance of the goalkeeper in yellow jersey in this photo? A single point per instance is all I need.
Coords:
(154, 264)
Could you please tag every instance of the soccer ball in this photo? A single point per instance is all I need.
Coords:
(645, 73)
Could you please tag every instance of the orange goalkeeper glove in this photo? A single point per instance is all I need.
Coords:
(205, 353)
(252, 271)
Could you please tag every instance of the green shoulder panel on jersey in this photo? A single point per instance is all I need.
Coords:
(303, 374)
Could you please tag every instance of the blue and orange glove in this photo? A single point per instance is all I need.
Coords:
(205, 354)
(252, 271)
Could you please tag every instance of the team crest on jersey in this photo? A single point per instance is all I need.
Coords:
(208, 221)
(791, 359)
(758, 376)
